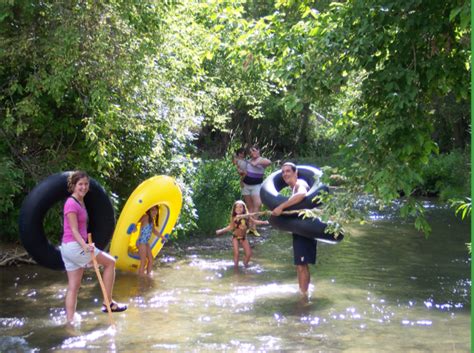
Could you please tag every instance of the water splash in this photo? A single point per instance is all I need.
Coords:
(85, 341)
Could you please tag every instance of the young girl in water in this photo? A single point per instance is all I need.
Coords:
(149, 221)
(76, 252)
(239, 226)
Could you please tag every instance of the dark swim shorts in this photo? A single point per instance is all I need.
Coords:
(304, 250)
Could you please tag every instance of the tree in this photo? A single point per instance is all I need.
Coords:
(91, 85)
(403, 57)
(373, 69)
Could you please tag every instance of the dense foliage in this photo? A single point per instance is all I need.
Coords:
(92, 86)
(129, 89)
(216, 188)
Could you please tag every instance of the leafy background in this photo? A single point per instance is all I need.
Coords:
(378, 92)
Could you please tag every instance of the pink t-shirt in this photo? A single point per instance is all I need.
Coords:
(72, 206)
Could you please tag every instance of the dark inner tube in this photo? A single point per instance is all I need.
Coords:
(274, 183)
(35, 206)
(310, 228)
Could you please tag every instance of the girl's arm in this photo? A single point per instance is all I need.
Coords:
(258, 221)
(72, 219)
(223, 230)
(156, 231)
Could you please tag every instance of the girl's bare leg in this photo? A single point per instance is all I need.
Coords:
(108, 275)
(73, 285)
(247, 250)
(149, 256)
(235, 244)
(142, 254)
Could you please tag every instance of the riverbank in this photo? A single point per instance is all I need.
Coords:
(14, 254)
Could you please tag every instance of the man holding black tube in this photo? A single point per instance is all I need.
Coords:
(304, 249)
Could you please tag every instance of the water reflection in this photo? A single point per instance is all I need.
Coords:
(98, 338)
(385, 286)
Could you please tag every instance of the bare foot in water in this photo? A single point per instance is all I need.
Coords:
(72, 325)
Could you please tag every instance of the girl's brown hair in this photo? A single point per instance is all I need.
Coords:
(233, 214)
(155, 221)
(73, 178)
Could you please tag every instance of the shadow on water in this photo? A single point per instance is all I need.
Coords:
(386, 288)
(294, 306)
(434, 270)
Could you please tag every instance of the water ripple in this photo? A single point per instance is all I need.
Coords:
(15, 344)
(84, 341)
(11, 322)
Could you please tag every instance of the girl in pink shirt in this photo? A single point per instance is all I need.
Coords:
(75, 251)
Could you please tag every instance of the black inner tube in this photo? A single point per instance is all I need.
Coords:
(310, 228)
(47, 193)
(274, 183)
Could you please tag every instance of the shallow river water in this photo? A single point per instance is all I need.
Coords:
(384, 289)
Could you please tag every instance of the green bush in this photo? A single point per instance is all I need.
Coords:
(11, 179)
(216, 188)
(447, 176)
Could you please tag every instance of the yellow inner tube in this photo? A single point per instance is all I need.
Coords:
(161, 191)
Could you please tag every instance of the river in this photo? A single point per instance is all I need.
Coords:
(386, 288)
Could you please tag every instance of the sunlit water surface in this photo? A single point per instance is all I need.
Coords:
(384, 289)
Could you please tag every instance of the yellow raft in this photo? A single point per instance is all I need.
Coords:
(161, 191)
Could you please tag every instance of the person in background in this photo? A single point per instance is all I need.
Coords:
(75, 251)
(304, 249)
(148, 222)
(241, 165)
(252, 183)
(239, 226)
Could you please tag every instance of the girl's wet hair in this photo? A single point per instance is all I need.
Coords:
(73, 178)
(239, 202)
(233, 214)
(150, 218)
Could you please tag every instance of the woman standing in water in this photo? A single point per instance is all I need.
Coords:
(75, 251)
(253, 182)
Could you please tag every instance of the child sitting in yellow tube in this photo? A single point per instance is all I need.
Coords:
(148, 222)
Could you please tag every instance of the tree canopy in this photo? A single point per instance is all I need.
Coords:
(129, 89)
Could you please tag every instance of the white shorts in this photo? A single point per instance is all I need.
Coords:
(251, 189)
(74, 256)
